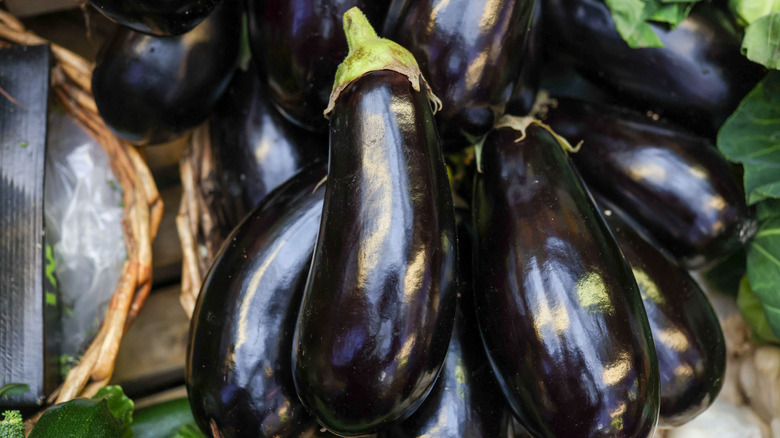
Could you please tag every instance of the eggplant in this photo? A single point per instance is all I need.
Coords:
(299, 44)
(463, 402)
(527, 85)
(238, 371)
(470, 51)
(152, 90)
(697, 78)
(559, 311)
(156, 17)
(379, 303)
(688, 338)
(673, 183)
(255, 148)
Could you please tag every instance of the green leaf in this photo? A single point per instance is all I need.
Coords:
(751, 136)
(671, 13)
(78, 418)
(118, 403)
(753, 312)
(763, 269)
(189, 431)
(749, 11)
(726, 275)
(14, 389)
(768, 209)
(162, 420)
(762, 41)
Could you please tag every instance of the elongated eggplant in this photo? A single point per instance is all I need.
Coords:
(675, 184)
(470, 51)
(698, 78)
(379, 304)
(255, 148)
(559, 311)
(688, 339)
(151, 90)
(465, 401)
(527, 85)
(157, 17)
(299, 45)
(238, 374)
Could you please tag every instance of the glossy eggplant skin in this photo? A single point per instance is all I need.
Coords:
(560, 314)
(238, 371)
(151, 90)
(465, 401)
(675, 184)
(379, 305)
(697, 79)
(527, 85)
(299, 44)
(255, 148)
(688, 338)
(156, 17)
(471, 64)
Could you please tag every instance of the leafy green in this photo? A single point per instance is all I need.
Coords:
(751, 136)
(14, 389)
(119, 404)
(726, 275)
(162, 420)
(754, 315)
(189, 431)
(632, 18)
(748, 11)
(762, 41)
(763, 271)
(12, 425)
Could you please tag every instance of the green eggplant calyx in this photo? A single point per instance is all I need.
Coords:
(521, 124)
(367, 53)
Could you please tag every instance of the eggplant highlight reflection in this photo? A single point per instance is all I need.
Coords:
(675, 184)
(688, 338)
(560, 315)
(156, 17)
(238, 372)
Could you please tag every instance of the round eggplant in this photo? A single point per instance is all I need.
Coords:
(379, 304)
(238, 374)
(688, 338)
(697, 78)
(675, 184)
(299, 45)
(151, 90)
(470, 51)
(255, 148)
(559, 311)
(156, 17)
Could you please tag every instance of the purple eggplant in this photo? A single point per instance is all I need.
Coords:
(157, 17)
(559, 311)
(673, 183)
(379, 304)
(527, 85)
(689, 342)
(697, 79)
(255, 148)
(299, 44)
(470, 51)
(238, 372)
(152, 90)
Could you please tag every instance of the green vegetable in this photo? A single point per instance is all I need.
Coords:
(762, 41)
(751, 136)
(119, 404)
(751, 309)
(189, 431)
(162, 420)
(632, 18)
(14, 389)
(12, 425)
(748, 11)
(79, 418)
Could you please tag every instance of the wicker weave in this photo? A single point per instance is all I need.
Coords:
(143, 208)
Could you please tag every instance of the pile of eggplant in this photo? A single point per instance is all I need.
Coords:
(465, 263)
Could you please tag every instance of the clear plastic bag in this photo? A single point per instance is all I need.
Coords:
(83, 210)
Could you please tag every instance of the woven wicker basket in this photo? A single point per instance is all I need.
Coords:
(71, 77)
